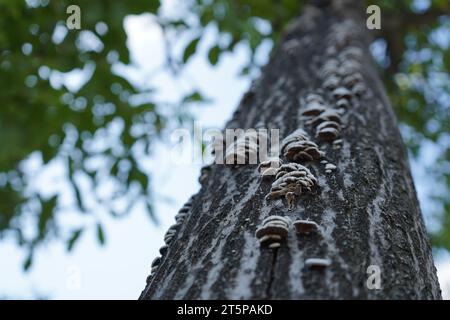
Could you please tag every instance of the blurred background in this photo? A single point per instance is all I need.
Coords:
(90, 172)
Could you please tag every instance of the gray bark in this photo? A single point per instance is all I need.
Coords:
(367, 210)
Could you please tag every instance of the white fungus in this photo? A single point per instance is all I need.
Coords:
(273, 231)
(330, 68)
(329, 167)
(298, 147)
(359, 89)
(342, 93)
(245, 149)
(331, 82)
(317, 263)
(352, 79)
(269, 168)
(305, 226)
(343, 103)
(291, 181)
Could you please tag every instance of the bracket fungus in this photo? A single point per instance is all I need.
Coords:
(204, 172)
(310, 97)
(359, 89)
(317, 263)
(343, 104)
(329, 167)
(268, 168)
(342, 93)
(183, 212)
(349, 67)
(313, 108)
(351, 52)
(163, 250)
(330, 68)
(305, 226)
(298, 147)
(273, 231)
(170, 234)
(155, 264)
(244, 149)
(292, 180)
(327, 124)
(331, 82)
(351, 80)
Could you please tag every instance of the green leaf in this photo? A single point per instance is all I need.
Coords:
(190, 49)
(28, 262)
(73, 239)
(195, 96)
(100, 234)
(213, 55)
(46, 214)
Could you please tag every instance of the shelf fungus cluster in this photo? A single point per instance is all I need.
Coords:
(299, 148)
(269, 167)
(343, 73)
(291, 180)
(325, 120)
(305, 226)
(273, 231)
(244, 150)
(169, 236)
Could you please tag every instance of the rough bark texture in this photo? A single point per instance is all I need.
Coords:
(367, 209)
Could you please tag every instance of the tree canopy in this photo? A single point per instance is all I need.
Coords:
(97, 131)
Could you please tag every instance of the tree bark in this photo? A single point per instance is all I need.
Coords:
(367, 210)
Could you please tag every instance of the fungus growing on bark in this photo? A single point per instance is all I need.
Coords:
(351, 52)
(292, 180)
(310, 97)
(298, 147)
(359, 89)
(313, 108)
(331, 82)
(204, 172)
(327, 115)
(245, 149)
(170, 234)
(330, 68)
(317, 263)
(343, 103)
(329, 167)
(342, 93)
(241, 151)
(269, 168)
(328, 130)
(305, 226)
(351, 80)
(149, 278)
(349, 67)
(337, 144)
(273, 231)
(156, 262)
(327, 124)
(163, 250)
(182, 213)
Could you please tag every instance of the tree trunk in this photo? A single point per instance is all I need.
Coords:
(366, 210)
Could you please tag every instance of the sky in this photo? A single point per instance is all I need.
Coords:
(119, 270)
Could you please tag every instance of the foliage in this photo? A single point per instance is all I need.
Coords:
(42, 117)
